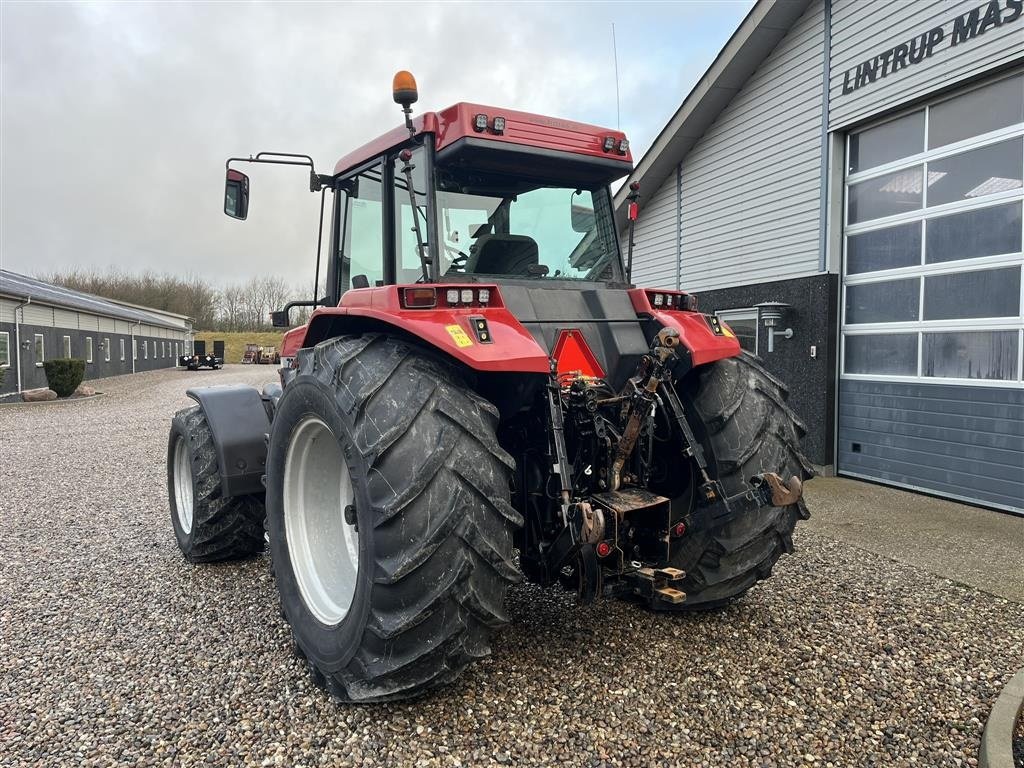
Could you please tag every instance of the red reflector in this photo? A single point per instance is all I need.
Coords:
(419, 298)
(604, 549)
(634, 211)
(574, 356)
(679, 529)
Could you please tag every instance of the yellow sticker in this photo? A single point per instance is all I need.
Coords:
(727, 330)
(459, 336)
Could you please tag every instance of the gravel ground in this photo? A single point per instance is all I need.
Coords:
(114, 651)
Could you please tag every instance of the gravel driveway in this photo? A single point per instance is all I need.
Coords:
(113, 650)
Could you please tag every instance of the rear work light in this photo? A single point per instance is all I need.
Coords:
(609, 143)
(499, 125)
(467, 297)
(419, 298)
(623, 146)
(672, 300)
(480, 123)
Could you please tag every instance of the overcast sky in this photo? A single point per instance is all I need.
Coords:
(116, 119)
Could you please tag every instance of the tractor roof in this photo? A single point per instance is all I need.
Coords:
(521, 128)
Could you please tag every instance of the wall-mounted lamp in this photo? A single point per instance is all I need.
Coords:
(102, 345)
(770, 313)
(26, 344)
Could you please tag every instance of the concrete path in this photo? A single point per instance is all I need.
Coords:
(970, 545)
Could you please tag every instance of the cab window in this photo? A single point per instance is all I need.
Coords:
(409, 268)
(362, 251)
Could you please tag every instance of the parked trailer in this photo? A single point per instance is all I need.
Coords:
(199, 359)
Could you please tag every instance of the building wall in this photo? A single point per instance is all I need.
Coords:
(750, 187)
(656, 239)
(811, 380)
(864, 29)
(34, 376)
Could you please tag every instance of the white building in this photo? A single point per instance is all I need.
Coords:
(862, 162)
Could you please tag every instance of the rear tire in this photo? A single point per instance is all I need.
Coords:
(421, 583)
(207, 526)
(747, 429)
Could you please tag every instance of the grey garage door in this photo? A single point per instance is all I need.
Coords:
(931, 394)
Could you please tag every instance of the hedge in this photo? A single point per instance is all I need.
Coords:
(64, 374)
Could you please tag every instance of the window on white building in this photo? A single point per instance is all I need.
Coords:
(40, 350)
(743, 323)
(67, 346)
(88, 349)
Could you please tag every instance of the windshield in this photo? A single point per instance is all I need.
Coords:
(494, 225)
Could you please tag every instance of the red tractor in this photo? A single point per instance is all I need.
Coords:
(482, 395)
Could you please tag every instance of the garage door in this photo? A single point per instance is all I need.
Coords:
(931, 395)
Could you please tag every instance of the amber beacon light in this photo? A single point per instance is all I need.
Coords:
(403, 88)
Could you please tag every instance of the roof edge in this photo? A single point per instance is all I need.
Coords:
(752, 42)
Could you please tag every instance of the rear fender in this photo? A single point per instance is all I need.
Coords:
(702, 336)
(239, 423)
(451, 331)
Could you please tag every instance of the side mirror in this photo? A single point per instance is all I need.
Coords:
(236, 194)
(279, 319)
(581, 214)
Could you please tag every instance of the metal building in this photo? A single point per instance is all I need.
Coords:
(40, 321)
(844, 188)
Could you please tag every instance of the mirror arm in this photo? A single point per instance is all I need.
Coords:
(317, 181)
(286, 311)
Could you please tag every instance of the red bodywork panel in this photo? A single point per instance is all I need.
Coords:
(513, 349)
(523, 128)
(694, 331)
(292, 341)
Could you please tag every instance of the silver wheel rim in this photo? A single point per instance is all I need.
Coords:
(323, 548)
(183, 485)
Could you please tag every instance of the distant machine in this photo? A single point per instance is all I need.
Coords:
(199, 359)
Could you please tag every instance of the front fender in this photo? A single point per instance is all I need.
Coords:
(239, 424)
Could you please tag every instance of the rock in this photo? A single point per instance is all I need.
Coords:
(84, 390)
(38, 395)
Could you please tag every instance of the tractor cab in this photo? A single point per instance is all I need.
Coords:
(478, 194)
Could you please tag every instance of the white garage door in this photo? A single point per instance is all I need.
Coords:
(931, 392)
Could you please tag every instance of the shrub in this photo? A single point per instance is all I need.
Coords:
(64, 374)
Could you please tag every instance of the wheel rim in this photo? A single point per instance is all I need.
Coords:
(183, 485)
(323, 548)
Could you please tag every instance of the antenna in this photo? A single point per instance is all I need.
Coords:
(615, 58)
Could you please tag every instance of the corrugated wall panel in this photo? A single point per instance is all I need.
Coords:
(7, 310)
(863, 29)
(65, 318)
(37, 314)
(122, 326)
(966, 442)
(655, 240)
(106, 324)
(751, 184)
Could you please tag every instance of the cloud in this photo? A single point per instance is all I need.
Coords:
(116, 119)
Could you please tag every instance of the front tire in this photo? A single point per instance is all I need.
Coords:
(747, 429)
(207, 526)
(389, 518)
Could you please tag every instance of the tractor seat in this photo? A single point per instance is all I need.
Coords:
(503, 255)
